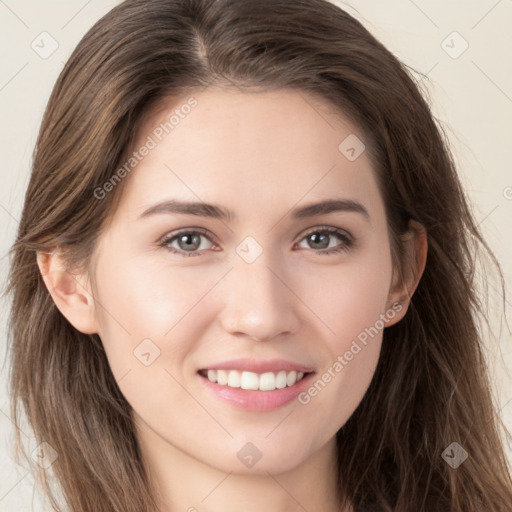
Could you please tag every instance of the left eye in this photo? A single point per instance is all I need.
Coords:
(326, 235)
(189, 242)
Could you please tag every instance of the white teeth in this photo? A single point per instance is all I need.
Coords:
(281, 380)
(291, 378)
(222, 377)
(250, 380)
(234, 379)
(267, 381)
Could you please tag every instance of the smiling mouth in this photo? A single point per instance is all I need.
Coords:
(267, 381)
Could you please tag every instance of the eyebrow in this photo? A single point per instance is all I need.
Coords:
(219, 212)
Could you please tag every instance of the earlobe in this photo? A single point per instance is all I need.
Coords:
(70, 292)
(407, 277)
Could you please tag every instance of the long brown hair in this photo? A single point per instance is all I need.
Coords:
(430, 388)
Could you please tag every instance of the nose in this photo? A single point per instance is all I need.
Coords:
(258, 301)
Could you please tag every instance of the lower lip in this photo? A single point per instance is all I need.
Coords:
(257, 400)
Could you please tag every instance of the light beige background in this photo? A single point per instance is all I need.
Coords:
(471, 92)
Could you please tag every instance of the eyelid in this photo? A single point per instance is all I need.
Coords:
(192, 229)
(170, 237)
(330, 229)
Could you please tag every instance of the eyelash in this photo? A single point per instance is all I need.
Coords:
(345, 246)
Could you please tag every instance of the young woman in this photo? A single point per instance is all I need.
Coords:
(244, 275)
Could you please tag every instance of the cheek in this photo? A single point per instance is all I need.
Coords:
(137, 302)
(145, 295)
(337, 391)
(349, 298)
(145, 315)
(354, 309)
(151, 315)
(349, 365)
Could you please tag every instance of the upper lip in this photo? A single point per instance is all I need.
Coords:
(259, 366)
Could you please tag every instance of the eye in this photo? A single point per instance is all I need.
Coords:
(188, 242)
(321, 237)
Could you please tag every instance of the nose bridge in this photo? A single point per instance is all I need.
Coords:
(255, 299)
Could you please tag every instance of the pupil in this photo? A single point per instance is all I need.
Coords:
(316, 236)
(191, 241)
(193, 244)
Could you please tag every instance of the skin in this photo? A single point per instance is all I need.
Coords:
(260, 155)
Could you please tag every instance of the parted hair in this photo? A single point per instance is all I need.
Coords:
(431, 384)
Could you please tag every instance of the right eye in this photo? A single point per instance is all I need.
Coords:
(188, 242)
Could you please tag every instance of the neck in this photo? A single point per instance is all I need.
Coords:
(184, 483)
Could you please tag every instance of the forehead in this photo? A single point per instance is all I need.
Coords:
(252, 149)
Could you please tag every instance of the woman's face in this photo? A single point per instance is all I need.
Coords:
(276, 289)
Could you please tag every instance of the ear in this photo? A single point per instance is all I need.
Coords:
(407, 277)
(70, 291)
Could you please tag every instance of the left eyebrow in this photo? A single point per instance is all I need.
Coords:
(201, 209)
(329, 206)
